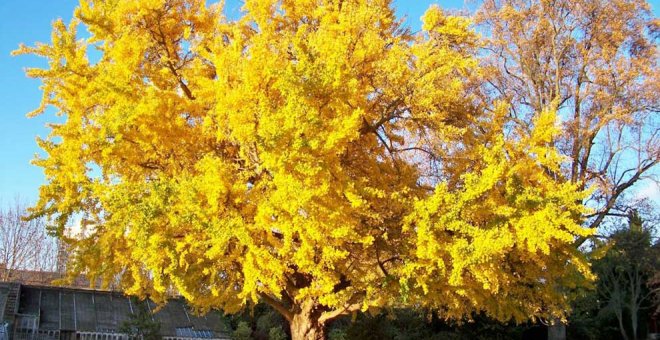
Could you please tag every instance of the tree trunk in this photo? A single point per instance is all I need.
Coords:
(619, 317)
(557, 330)
(305, 324)
(633, 319)
(306, 329)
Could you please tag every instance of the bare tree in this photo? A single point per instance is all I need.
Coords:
(596, 64)
(24, 244)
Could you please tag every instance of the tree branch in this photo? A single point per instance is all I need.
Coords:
(278, 305)
(349, 308)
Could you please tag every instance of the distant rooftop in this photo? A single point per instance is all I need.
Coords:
(43, 278)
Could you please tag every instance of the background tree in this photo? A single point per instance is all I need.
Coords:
(624, 274)
(594, 62)
(141, 324)
(654, 286)
(24, 245)
(314, 155)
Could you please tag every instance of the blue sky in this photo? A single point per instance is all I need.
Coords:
(29, 21)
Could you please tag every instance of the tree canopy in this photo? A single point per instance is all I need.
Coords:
(316, 155)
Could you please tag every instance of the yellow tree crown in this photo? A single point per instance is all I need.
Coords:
(309, 153)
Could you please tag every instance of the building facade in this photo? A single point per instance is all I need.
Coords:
(34, 312)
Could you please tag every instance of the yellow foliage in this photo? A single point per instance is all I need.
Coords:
(308, 151)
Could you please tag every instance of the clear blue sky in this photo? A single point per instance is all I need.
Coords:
(29, 21)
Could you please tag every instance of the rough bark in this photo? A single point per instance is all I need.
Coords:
(303, 328)
(305, 324)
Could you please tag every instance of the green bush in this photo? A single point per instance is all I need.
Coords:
(337, 334)
(277, 333)
(242, 332)
(140, 324)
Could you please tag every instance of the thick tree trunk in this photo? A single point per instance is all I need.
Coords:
(303, 328)
(305, 324)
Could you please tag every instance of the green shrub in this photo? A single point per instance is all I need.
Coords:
(242, 332)
(277, 333)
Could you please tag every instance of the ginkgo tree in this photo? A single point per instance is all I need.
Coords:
(312, 154)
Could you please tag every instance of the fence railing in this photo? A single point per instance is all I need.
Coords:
(28, 334)
(104, 336)
(48, 334)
